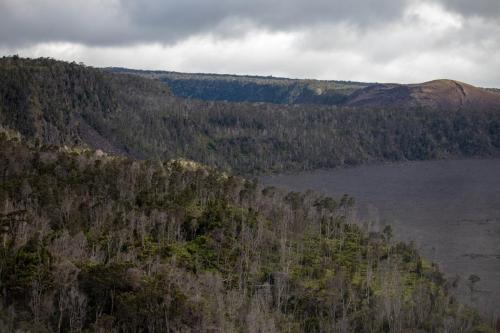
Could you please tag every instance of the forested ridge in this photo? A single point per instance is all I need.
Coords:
(60, 103)
(245, 88)
(95, 242)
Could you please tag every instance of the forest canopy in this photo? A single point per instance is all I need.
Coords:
(96, 242)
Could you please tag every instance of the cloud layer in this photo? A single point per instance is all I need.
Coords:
(373, 40)
(118, 22)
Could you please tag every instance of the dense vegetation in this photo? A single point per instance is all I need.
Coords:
(54, 102)
(237, 88)
(104, 243)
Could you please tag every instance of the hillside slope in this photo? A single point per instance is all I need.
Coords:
(107, 244)
(439, 94)
(53, 102)
(244, 88)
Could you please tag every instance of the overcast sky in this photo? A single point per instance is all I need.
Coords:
(365, 40)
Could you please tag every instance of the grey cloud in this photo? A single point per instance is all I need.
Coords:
(275, 14)
(489, 9)
(94, 22)
(26, 22)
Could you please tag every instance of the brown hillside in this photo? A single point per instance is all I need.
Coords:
(438, 94)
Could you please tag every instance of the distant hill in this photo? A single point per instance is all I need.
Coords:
(438, 94)
(245, 88)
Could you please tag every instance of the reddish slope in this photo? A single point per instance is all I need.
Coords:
(438, 94)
